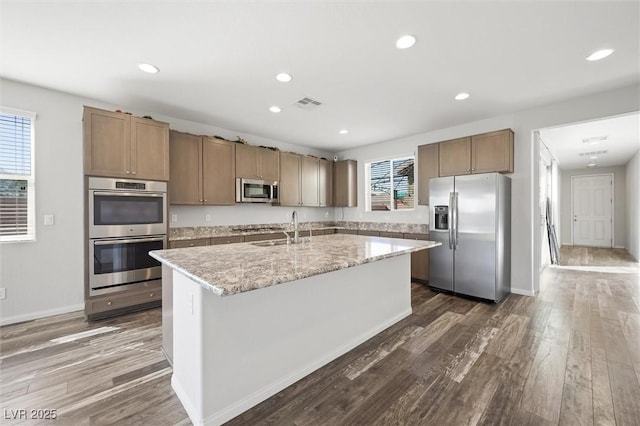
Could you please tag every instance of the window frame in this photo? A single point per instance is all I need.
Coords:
(367, 178)
(30, 235)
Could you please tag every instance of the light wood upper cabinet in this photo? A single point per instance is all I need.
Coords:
(485, 153)
(455, 157)
(120, 145)
(289, 179)
(325, 183)
(299, 180)
(218, 172)
(203, 170)
(309, 189)
(254, 162)
(492, 152)
(428, 164)
(185, 186)
(345, 183)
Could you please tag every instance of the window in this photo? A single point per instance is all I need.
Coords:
(17, 198)
(390, 184)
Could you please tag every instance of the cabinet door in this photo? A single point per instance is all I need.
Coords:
(198, 242)
(427, 168)
(290, 179)
(325, 183)
(345, 184)
(455, 157)
(309, 181)
(492, 152)
(106, 143)
(149, 149)
(185, 186)
(268, 164)
(246, 161)
(420, 265)
(218, 172)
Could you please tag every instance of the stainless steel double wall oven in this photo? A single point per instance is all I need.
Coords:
(126, 219)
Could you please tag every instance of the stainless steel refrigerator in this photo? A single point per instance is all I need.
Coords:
(471, 216)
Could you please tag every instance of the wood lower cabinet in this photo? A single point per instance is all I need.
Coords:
(121, 145)
(254, 162)
(203, 170)
(227, 240)
(345, 183)
(419, 259)
(325, 183)
(428, 167)
(147, 296)
(198, 242)
(492, 152)
(485, 153)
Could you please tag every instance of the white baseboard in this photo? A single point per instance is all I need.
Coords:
(40, 314)
(619, 247)
(522, 292)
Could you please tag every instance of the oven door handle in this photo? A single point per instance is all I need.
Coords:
(130, 194)
(131, 240)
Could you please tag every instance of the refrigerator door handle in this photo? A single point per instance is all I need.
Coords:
(454, 231)
(450, 219)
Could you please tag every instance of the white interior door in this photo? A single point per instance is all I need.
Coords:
(592, 210)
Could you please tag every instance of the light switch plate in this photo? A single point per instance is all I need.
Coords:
(49, 219)
(174, 218)
(3, 293)
(207, 218)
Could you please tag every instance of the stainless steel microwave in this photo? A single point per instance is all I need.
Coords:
(256, 191)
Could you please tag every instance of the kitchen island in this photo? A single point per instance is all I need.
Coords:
(250, 319)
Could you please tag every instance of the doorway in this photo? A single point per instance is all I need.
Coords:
(592, 210)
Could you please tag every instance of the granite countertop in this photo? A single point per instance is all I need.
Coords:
(194, 232)
(237, 268)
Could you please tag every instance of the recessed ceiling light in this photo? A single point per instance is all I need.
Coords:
(148, 68)
(593, 157)
(461, 96)
(284, 77)
(591, 165)
(275, 109)
(600, 54)
(405, 42)
(344, 131)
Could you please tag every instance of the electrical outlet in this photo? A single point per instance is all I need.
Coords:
(174, 218)
(48, 219)
(3, 293)
(207, 217)
(326, 213)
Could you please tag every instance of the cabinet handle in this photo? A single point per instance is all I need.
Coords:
(133, 173)
(152, 294)
(191, 245)
(205, 201)
(109, 303)
(128, 172)
(473, 170)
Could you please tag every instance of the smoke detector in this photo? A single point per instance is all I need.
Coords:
(307, 103)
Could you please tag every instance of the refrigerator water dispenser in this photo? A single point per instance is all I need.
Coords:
(442, 217)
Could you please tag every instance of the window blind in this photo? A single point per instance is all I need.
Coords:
(16, 178)
(391, 184)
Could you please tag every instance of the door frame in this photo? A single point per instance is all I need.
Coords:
(613, 184)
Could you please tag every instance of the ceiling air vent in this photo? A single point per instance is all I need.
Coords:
(307, 103)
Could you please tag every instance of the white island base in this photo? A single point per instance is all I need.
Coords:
(232, 352)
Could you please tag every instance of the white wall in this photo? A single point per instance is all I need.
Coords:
(619, 205)
(633, 206)
(46, 276)
(525, 224)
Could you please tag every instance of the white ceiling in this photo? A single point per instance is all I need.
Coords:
(568, 146)
(218, 60)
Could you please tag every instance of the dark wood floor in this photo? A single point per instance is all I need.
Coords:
(569, 356)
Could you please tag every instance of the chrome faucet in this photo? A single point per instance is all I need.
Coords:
(294, 221)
